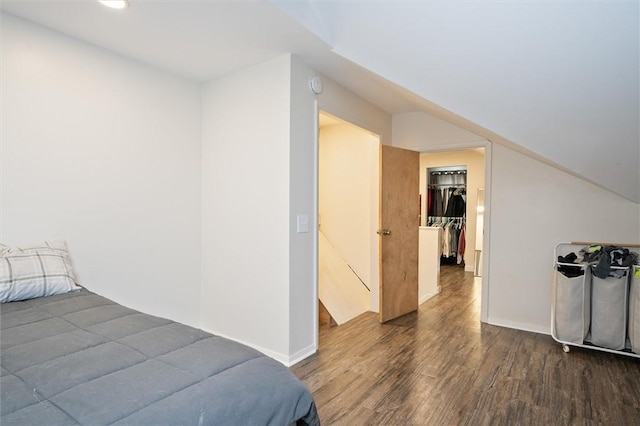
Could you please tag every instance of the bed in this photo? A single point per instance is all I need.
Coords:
(79, 358)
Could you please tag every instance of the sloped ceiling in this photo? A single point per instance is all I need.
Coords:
(560, 79)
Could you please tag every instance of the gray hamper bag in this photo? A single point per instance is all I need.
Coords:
(634, 310)
(573, 304)
(608, 311)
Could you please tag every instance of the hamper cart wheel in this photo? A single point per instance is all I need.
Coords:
(566, 348)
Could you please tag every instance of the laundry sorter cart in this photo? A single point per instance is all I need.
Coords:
(592, 312)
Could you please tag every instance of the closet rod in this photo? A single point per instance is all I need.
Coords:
(452, 218)
(452, 185)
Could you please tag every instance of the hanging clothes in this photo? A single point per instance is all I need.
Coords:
(453, 244)
(446, 208)
(446, 194)
(462, 243)
(456, 206)
(453, 241)
(439, 203)
(446, 241)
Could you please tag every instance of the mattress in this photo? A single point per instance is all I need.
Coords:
(79, 358)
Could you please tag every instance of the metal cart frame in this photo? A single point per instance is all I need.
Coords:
(566, 346)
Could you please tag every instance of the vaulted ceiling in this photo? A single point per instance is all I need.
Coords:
(560, 79)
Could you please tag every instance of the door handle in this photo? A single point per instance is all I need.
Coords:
(383, 232)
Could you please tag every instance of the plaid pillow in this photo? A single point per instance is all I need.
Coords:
(35, 271)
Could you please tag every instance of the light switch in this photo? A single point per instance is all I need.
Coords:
(303, 223)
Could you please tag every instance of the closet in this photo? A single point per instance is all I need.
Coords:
(446, 209)
(450, 182)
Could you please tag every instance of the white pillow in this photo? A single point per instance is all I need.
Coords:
(35, 271)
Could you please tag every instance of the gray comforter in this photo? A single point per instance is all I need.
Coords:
(81, 358)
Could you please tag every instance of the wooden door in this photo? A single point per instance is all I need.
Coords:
(399, 222)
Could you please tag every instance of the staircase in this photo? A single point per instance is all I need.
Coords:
(340, 290)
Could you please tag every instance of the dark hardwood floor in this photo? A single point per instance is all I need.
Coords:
(442, 366)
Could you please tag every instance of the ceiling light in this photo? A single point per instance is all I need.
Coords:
(115, 4)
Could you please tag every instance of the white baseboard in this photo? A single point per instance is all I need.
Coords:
(520, 326)
(426, 297)
(301, 354)
(287, 360)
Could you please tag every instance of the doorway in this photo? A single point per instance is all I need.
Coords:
(348, 205)
(458, 249)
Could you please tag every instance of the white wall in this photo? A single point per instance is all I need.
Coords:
(341, 103)
(534, 207)
(259, 133)
(259, 158)
(116, 158)
(349, 162)
(103, 152)
(430, 250)
(245, 206)
(420, 131)
(303, 295)
(474, 160)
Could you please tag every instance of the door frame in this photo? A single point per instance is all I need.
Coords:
(486, 238)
